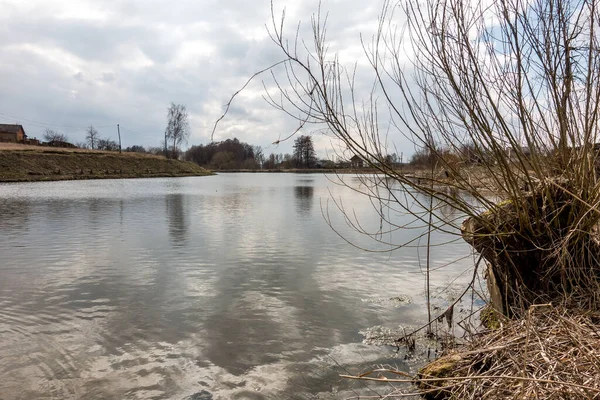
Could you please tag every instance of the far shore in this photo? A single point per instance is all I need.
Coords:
(26, 163)
(304, 171)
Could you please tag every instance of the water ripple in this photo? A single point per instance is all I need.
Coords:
(192, 288)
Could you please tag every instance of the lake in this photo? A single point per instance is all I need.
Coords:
(231, 286)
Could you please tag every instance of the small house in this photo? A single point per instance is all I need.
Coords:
(12, 133)
(356, 162)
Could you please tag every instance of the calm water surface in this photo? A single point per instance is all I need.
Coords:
(224, 287)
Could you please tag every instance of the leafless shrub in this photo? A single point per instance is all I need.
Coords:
(501, 100)
(514, 83)
(51, 135)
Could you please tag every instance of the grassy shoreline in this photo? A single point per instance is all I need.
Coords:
(27, 164)
(302, 171)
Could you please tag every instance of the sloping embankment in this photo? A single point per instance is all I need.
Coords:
(46, 164)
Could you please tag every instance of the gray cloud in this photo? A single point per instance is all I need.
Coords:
(71, 64)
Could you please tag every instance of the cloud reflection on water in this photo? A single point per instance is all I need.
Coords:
(169, 287)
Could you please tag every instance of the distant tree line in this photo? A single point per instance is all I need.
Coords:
(460, 154)
(304, 156)
(233, 154)
(228, 154)
(93, 140)
(137, 149)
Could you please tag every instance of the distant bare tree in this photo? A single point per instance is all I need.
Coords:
(178, 129)
(92, 137)
(304, 152)
(107, 144)
(259, 156)
(272, 161)
(288, 161)
(223, 160)
(156, 150)
(51, 135)
(136, 149)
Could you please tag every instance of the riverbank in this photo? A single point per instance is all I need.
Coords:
(304, 171)
(550, 353)
(20, 163)
(472, 177)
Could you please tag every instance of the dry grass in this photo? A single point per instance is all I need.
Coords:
(552, 353)
(45, 149)
(32, 163)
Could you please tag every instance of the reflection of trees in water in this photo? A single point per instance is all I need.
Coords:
(447, 211)
(14, 215)
(304, 199)
(176, 218)
(98, 210)
(234, 203)
(121, 208)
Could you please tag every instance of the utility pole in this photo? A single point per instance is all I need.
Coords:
(119, 132)
(401, 160)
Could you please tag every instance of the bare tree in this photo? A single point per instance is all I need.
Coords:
(107, 145)
(517, 83)
(273, 161)
(178, 128)
(92, 137)
(136, 149)
(304, 151)
(51, 135)
(259, 156)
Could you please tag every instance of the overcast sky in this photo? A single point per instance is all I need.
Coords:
(66, 64)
